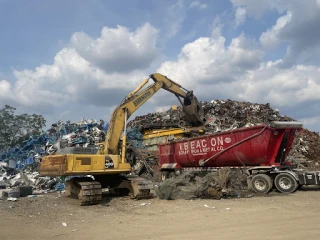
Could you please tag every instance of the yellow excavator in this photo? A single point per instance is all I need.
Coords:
(108, 165)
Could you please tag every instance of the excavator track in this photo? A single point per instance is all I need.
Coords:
(89, 192)
(139, 188)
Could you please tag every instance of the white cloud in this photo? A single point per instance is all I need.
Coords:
(174, 19)
(118, 49)
(5, 89)
(240, 16)
(283, 87)
(197, 4)
(298, 27)
(4, 86)
(312, 122)
(163, 108)
(216, 27)
(257, 8)
(270, 38)
(237, 71)
(207, 60)
(253, 7)
(86, 71)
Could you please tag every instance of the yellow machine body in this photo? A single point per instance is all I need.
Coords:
(83, 164)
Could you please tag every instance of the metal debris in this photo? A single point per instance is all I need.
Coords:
(13, 199)
(19, 165)
(228, 115)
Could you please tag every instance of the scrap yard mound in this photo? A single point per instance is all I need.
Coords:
(19, 166)
(229, 115)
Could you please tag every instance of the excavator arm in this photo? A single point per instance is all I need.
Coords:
(107, 166)
(193, 112)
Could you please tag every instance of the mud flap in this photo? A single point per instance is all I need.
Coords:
(249, 183)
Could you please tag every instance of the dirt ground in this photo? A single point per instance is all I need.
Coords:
(275, 216)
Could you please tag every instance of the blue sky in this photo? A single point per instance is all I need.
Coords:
(41, 28)
(73, 59)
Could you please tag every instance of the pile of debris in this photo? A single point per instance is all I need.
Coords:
(60, 135)
(220, 116)
(19, 166)
(224, 183)
(228, 115)
(310, 142)
(306, 150)
(18, 184)
(84, 134)
(170, 118)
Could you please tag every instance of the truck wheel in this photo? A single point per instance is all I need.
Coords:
(261, 183)
(164, 175)
(286, 183)
(172, 175)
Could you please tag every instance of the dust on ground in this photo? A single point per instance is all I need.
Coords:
(272, 216)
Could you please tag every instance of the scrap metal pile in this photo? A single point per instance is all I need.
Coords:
(220, 116)
(306, 149)
(19, 165)
(228, 115)
(170, 118)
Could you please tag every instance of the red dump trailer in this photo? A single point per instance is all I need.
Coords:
(261, 150)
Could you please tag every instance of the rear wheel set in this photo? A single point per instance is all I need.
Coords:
(166, 174)
(284, 182)
(261, 183)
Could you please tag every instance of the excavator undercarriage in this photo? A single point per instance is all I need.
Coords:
(89, 190)
(85, 189)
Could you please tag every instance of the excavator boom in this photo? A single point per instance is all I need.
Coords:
(193, 112)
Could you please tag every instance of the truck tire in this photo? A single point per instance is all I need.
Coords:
(286, 183)
(261, 183)
(172, 175)
(164, 175)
